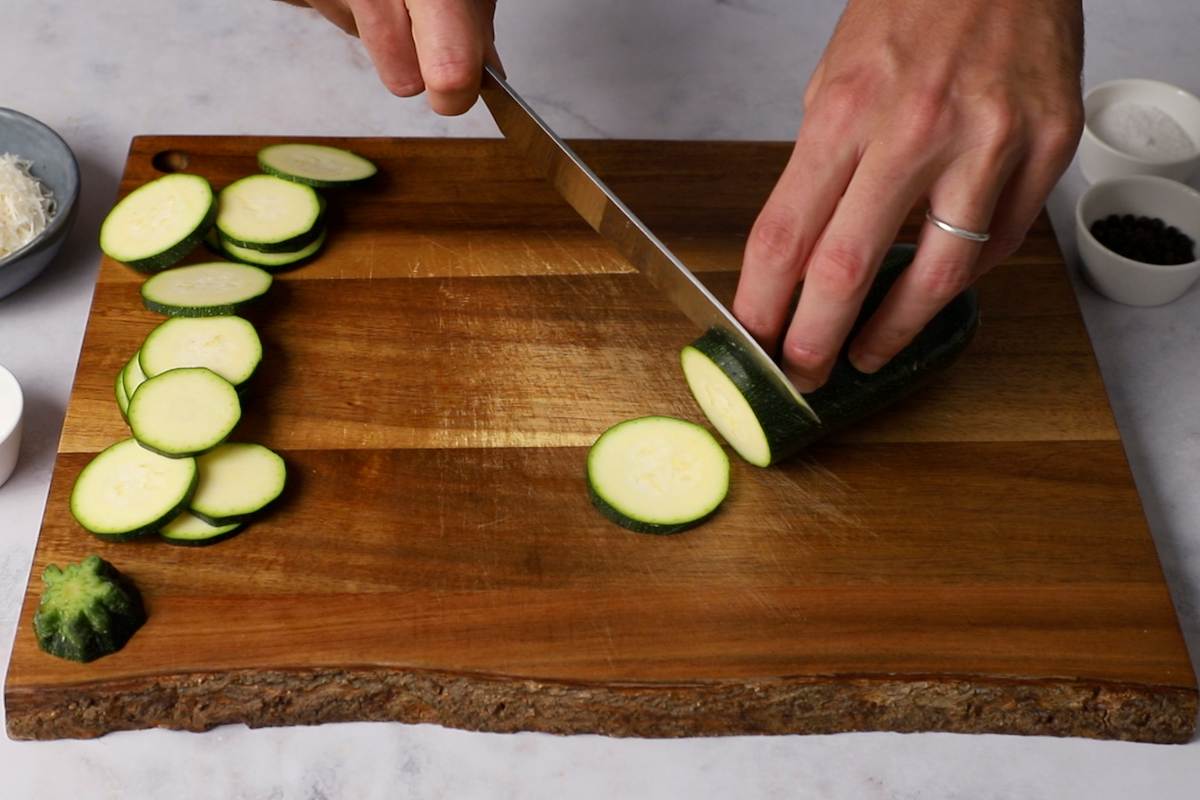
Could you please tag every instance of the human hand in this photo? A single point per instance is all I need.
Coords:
(438, 46)
(972, 109)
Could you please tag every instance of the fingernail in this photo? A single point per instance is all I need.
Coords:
(866, 362)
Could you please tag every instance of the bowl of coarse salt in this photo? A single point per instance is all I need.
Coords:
(39, 192)
(1139, 127)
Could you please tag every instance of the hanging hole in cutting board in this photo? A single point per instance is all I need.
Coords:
(170, 160)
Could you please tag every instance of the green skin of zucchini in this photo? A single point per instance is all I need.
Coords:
(202, 542)
(110, 621)
(170, 256)
(638, 526)
(226, 310)
(849, 395)
(213, 243)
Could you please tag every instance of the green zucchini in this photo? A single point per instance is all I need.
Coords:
(87, 610)
(315, 165)
(237, 480)
(271, 262)
(657, 474)
(190, 531)
(132, 377)
(229, 346)
(269, 214)
(160, 222)
(119, 390)
(204, 290)
(184, 411)
(765, 426)
(126, 491)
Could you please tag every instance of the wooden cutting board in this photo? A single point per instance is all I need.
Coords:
(974, 560)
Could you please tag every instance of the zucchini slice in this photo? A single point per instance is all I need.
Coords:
(132, 377)
(272, 262)
(229, 346)
(127, 490)
(237, 480)
(119, 390)
(766, 427)
(269, 214)
(204, 290)
(657, 474)
(184, 411)
(315, 164)
(190, 531)
(159, 223)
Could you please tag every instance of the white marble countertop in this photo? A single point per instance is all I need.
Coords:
(721, 69)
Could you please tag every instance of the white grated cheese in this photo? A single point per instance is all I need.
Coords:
(26, 205)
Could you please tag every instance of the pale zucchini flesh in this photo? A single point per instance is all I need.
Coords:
(270, 214)
(132, 376)
(314, 164)
(204, 290)
(158, 223)
(236, 480)
(127, 490)
(184, 411)
(229, 346)
(657, 474)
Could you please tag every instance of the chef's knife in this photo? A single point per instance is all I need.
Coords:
(613, 220)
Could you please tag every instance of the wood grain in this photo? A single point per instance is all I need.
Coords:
(975, 559)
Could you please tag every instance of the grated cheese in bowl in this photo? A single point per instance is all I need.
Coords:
(26, 205)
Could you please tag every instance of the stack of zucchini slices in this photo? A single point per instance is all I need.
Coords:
(181, 392)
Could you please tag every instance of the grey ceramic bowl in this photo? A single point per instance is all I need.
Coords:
(54, 165)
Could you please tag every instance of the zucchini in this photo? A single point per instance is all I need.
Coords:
(119, 390)
(315, 164)
(237, 480)
(657, 474)
(190, 531)
(204, 290)
(87, 610)
(229, 346)
(272, 262)
(126, 491)
(132, 377)
(765, 427)
(269, 214)
(160, 222)
(184, 411)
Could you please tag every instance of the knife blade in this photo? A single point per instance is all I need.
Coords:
(607, 215)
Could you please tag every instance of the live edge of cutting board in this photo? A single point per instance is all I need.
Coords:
(974, 560)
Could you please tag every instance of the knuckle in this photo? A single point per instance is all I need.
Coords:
(776, 244)
(1005, 244)
(942, 279)
(844, 269)
(843, 98)
(451, 73)
(809, 359)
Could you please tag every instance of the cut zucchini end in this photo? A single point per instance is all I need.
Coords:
(128, 491)
(227, 345)
(762, 423)
(725, 407)
(269, 214)
(316, 165)
(657, 474)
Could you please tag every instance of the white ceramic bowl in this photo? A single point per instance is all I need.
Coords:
(1099, 160)
(11, 408)
(1122, 279)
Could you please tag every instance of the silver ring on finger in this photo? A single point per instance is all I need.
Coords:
(954, 230)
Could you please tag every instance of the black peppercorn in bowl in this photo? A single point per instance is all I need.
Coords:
(1139, 238)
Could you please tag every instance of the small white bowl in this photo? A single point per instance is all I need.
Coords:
(1123, 279)
(1099, 159)
(12, 405)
